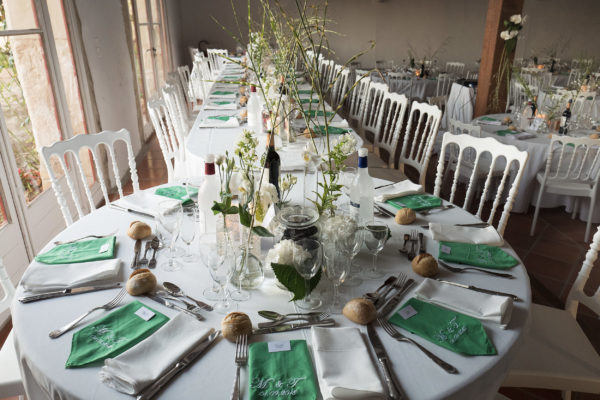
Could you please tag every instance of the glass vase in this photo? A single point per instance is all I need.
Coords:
(249, 273)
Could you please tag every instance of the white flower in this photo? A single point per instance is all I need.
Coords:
(220, 159)
(268, 194)
(245, 186)
(516, 19)
(338, 228)
(286, 252)
(513, 34)
(505, 35)
(347, 144)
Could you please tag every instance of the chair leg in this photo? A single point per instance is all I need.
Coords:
(575, 207)
(537, 211)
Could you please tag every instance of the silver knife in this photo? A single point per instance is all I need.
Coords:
(393, 386)
(132, 211)
(137, 248)
(173, 306)
(293, 327)
(67, 292)
(478, 289)
(473, 225)
(394, 301)
(154, 388)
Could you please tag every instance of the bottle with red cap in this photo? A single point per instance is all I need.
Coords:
(254, 112)
(209, 193)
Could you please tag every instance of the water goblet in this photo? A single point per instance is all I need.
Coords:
(336, 270)
(189, 228)
(308, 255)
(208, 251)
(170, 214)
(221, 266)
(192, 185)
(350, 246)
(375, 237)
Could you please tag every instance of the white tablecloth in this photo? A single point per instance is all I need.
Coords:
(421, 88)
(460, 104)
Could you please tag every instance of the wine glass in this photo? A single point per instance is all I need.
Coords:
(375, 237)
(189, 228)
(336, 270)
(350, 246)
(192, 185)
(307, 260)
(208, 251)
(347, 176)
(221, 266)
(170, 214)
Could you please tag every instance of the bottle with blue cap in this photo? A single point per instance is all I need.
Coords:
(362, 190)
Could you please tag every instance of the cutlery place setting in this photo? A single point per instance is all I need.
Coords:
(137, 262)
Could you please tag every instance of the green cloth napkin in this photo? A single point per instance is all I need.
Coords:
(306, 101)
(504, 132)
(320, 113)
(454, 331)
(223, 102)
(222, 93)
(78, 252)
(479, 255)
(333, 130)
(281, 375)
(232, 77)
(488, 119)
(220, 117)
(177, 193)
(417, 202)
(305, 91)
(112, 334)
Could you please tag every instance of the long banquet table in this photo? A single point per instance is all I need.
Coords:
(211, 376)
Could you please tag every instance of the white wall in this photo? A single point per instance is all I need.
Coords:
(173, 12)
(425, 25)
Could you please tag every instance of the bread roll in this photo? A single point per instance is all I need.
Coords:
(425, 265)
(405, 216)
(594, 136)
(507, 121)
(308, 133)
(140, 281)
(139, 230)
(359, 310)
(243, 100)
(235, 324)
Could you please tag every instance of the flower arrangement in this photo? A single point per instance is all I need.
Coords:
(512, 27)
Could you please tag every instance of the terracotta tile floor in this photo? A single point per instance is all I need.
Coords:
(552, 257)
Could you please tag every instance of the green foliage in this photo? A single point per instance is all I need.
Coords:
(293, 281)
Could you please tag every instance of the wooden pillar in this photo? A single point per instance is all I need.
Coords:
(498, 11)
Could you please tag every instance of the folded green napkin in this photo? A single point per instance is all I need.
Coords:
(488, 119)
(232, 77)
(504, 132)
(220, 117)
(113, 334)
(280, 375)
(417, 202)
(454, 331)
(479, 255)
(78, 252)
(305, 91)
(177, 193)
(333, 130)
(320, 113)
(222, 93)
(306, 101)
(223, 102)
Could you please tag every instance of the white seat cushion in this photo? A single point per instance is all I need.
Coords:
(567, 187)
(556, 355)
(11, 383)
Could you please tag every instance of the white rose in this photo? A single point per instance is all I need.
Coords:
(505, 35)
(220, 159)
(516, 19)
(513, 34)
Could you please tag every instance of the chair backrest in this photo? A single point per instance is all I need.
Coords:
(167, 136)
(183, 71)
(455, 68)
(574, 76)
(518, 95)
(370, 116)
(444, 82)
(576, 294)
(340, 86)
(358, 97)
(7, 287)
(574, 159)
(440, 102)
(90, 141)
(174, 99)
(392, 115)
(419, 137)
(583, 104)
(326, 72)
(216, 60)
(515, 165)
(472, 75)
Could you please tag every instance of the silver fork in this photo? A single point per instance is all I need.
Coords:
(414, 237)
(57, 242)
(108, 306)
(311, 318)
(440, 208)
(241, 358)
(390, 330)
(398, 284)
(456, 269)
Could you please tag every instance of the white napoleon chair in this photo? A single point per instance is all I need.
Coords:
(369, 121)
(440, 102)
(357, 100)
(216, 61)
(11, 383)
(391, 121)
(172, 93)
(556, 354)
(340, 86)
(513, 159)
(92, 143)
(419, 138)
(171, 143)
(183, 72)
(572, 169)
(455, 68)
(444, 82)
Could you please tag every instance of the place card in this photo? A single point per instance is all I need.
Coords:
(407, 312)
(144, 313)
(445, 249)
(275, 347)
(104, 248)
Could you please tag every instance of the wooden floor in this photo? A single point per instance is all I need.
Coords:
(552, 257)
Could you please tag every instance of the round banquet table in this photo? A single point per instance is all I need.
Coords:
(537, 148)
(43, 359)
(421, 88)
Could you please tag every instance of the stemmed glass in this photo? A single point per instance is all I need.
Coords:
(170, 214)
(375, 237)
(307, 260)
(350, 246)
(336, 269)
(189, 227)
(192, 186)
(221, 266)
(208, 251)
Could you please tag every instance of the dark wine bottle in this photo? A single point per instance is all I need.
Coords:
(564, 120)
(273, 162)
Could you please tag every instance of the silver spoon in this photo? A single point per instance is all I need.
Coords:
(176, 291)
